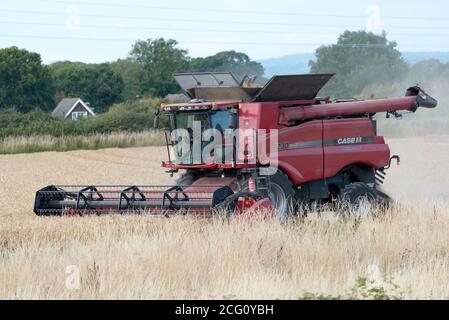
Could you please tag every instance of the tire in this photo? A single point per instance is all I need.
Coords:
(282, 194)
(359, 198)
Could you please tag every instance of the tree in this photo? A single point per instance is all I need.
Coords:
(25, 83)
(427, 70)
(159, 59)
(236, 62)
(359, 58)
(132, 74)
(97, 84)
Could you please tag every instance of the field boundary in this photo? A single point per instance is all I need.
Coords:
(42, 143)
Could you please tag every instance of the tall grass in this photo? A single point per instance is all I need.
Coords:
(402, 255)
(29, 144)
(321, 256)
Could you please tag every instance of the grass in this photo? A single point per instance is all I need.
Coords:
(404, 254)
(14, 145)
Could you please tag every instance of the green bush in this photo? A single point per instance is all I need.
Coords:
(365, 288)
(125, 117)
(369, 289)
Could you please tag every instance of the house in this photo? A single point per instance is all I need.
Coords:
(72, 108)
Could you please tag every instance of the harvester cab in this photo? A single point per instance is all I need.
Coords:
(244, 147)
(221, 106)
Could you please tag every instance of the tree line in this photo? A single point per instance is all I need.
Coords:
(26, 83)
(362, 61)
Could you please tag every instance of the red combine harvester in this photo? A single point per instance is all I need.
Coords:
(325, 151)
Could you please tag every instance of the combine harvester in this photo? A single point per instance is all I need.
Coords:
(324, 151)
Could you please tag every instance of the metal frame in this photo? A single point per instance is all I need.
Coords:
(178, 191)
(58, 200)
(90, 190)
(130, 200)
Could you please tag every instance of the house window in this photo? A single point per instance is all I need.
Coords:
(79, 115)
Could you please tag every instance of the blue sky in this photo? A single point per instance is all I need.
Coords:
(104, 30)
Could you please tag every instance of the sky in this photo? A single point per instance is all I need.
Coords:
(104, 30)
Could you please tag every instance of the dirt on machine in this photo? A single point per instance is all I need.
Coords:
(242, 147)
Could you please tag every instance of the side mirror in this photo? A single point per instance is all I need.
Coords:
(157, 114)
(233, 119)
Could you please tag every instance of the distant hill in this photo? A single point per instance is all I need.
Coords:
(299, 63)
(414, 57)
(291, 64)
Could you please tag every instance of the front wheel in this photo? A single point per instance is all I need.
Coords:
(281, 194)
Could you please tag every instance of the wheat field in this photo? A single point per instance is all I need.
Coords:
(25, 144)
(404, 254)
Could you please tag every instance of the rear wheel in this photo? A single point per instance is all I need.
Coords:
(360, 199)
(281, 193)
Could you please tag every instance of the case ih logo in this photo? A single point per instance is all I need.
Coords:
(353, 140)
(326, 143)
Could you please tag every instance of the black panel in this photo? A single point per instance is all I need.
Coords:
(205, 79)
(293, 87)
(224, 93)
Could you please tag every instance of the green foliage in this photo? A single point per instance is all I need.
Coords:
(368, 289)
(124, 125)
(134, 117)
(374, 60)
(365, 288)
(236, 62)
(428, 71)
(159, 59)
(315, 296)
(7, 250)
(24, 82)
(133, 77)
(97, 84)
